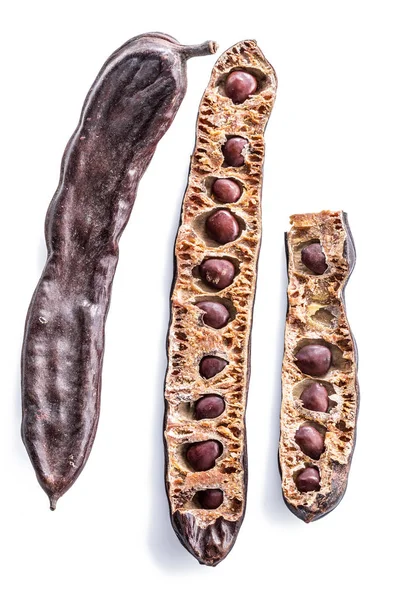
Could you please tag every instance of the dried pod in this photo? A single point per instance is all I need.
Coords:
(208, 528)
(128, 109)
(318, 342)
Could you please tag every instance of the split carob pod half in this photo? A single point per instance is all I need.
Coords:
(320, 393)
(208, 342)
(128, 109)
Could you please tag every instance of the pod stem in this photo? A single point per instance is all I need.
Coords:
(53, 500)
(203, 49)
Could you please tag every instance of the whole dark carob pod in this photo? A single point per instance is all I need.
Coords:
(128, 109)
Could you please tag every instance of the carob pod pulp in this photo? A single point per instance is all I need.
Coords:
(128, 109)
(206, 530)
(315, 468)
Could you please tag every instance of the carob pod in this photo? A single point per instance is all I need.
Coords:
(128, 109)
(320, 393)
(208, 358)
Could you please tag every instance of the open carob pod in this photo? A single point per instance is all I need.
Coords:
(320, 393)
(128, 109)
(216, 255)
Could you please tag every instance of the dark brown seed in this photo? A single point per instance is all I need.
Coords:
(315, 397)
(211, 365)
(218, 273)
(210, 499)
(226, 190)
(240, 85)
(310, 441)
(313, 258)
(209, 407)
(232, 151)
(314, 360)
(222, 226)
(308, 480)
(215, 315)
(201, 456)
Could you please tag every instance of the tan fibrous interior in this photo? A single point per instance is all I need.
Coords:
(189, 340)
(316, 314)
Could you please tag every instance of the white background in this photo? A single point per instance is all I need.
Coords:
(343, 135)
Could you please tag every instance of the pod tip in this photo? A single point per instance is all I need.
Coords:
(52, 502)
(214, 46)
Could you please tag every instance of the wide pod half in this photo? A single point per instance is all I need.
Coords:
(216, 255)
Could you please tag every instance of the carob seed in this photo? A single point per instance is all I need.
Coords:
(315, 397)
(201, 456)
(312, 256)
(218, 273)
(226, 190)
(209, 407)
(314, 360)
(232, 151)
(310, 441)
(222, 227)
(308, 480)
(210, 499)
(215, 315)
(211, 366)
(240, 85)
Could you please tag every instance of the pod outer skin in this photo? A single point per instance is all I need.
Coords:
(129, 107)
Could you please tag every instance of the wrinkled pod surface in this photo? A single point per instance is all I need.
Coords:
(128, 109)
(320, 392)
(216, 255)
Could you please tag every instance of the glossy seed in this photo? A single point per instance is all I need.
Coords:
(308, 480)
(211, 365)
(215, 315)
(209, 407)
(314, 360)
(232, 151)
(315, 397)
(310, 441)
(201, 456)
(226, 190)
(218, 273)
(312, 256)
(240, 85)
(222, 227)
(210, 499)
